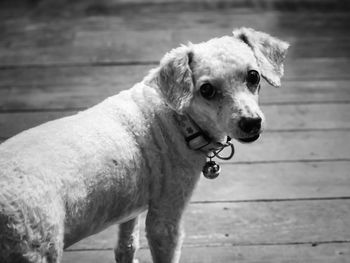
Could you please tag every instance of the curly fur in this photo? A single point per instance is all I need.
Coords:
(70, 178)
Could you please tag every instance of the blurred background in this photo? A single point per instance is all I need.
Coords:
(285, 198)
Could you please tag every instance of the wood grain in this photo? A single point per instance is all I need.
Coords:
(81, 87)
(324, 253)
(296, 146)
(95, 32)
(13, 123)
(276, 181)
(253, 223)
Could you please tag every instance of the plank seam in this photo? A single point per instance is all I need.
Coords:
(82, 64)
(312, 243)
(307, 130)
(273, 200)
(292, 103)
(287, 161)
(213, 245)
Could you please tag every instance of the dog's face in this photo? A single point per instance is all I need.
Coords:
(217, 82)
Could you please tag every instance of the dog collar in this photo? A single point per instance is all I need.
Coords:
(199, 140)
(195, 137)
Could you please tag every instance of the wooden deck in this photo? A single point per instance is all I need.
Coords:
(285, 198)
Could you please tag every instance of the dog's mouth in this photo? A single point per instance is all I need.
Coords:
(249, 139)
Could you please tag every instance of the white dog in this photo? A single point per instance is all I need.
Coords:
(142, 149)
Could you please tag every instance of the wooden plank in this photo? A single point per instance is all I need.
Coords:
(276, 181)
(61, 88)
(303, 145)
(80, 87)
(306, 91)
(279, 118)
(13, 123)
(304, 117)
(324, 253)
(256, 223)
(106, 47)
(327, 68)
(117, 36)
(274, 222)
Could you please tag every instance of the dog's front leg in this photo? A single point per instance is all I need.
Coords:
(164, 233)
(128, 241)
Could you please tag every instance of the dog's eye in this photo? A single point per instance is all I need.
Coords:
(207, 91)
(253, 79)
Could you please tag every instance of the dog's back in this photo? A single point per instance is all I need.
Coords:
(69, 178)
(30, 208)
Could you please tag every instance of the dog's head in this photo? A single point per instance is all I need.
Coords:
(217, 82)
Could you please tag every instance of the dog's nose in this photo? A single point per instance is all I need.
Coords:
(250, 125)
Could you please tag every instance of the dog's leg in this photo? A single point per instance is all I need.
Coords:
(164, 234)
(128, 241)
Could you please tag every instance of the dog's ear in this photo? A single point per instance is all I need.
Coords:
(269, 51)
(175, 77)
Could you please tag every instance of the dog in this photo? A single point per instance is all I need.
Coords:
(142, 149)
